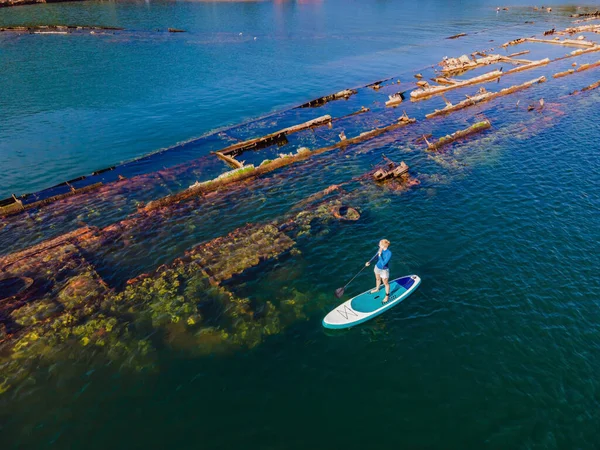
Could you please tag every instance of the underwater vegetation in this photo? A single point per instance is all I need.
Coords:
(61, 309)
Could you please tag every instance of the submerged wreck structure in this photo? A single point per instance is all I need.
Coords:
(83, 287)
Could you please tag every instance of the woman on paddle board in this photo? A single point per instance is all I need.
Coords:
(382, 270)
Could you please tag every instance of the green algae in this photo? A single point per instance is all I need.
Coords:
(183, 305)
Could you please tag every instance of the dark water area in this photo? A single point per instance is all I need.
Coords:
(498, 348)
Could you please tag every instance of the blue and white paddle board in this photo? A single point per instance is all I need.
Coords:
(365, 306)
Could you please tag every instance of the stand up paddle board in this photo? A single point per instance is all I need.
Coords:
(366, 305)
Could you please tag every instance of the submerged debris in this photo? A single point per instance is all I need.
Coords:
(391, 170)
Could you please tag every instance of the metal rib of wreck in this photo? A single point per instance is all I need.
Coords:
(484, 97)
(448, 139)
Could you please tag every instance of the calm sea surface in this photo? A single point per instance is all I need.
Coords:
(500, 346)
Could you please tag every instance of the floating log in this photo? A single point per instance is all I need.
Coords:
(345, 94)
(267, 166)
(484, 97)
(422, 93)
(175, 30)
(475, 128)
(273, 138)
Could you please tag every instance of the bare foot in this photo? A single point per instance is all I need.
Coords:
(374, 290)
(385, 300)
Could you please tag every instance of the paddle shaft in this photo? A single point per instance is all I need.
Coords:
(359, 272)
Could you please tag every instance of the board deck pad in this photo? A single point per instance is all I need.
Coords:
(368, 302)
(368, 305)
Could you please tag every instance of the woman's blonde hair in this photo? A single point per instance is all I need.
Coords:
(385, 242)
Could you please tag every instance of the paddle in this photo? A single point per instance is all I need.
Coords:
(340, 291)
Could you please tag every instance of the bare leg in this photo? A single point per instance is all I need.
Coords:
(387, 289)
(378, 279)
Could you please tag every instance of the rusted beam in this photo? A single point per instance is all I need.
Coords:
(426, 92)
(484, 97)
(448, 139)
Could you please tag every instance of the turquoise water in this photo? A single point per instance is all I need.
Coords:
(70, 105)
(496, 349)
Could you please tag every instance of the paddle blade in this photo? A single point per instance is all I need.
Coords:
(339, 292)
